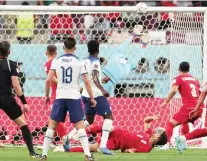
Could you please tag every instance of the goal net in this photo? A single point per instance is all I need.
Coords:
(167, 38)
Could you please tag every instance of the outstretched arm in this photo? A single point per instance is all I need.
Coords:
(171, 94)
(148, 120)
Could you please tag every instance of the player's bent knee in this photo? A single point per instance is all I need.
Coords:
(108, 125)
(80, 125)
(90, 119)
(20, 121)
(52, 124)
(174, 122)
(108, 116)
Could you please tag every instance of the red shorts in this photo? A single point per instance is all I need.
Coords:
(182, 116)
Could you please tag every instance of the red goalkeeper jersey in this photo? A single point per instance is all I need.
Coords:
(53, 85)
(188, 88)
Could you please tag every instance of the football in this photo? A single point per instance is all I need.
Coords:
(141, 8)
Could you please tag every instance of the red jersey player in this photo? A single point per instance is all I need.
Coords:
(188, 88)
(51, 54)
(197, 133)
(127, 141)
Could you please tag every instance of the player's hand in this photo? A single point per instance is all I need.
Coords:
(193, 114)
(93, 102)
(155, 117)
(26, 108)
(47, 100)
(131, 150)
(105, 93)
(163, 104)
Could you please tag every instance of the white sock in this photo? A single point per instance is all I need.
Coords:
(72, 133)
(106, 129)
(47, 140)
(84, 141)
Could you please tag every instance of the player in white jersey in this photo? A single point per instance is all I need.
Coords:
(68, 69)
(103, 107)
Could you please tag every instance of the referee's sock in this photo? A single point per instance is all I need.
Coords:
(27, 138)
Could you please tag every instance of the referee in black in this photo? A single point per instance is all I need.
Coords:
(8, 79)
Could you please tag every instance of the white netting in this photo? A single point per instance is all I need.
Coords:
(169, 38)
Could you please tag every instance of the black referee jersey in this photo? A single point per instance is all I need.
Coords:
(8, 103)
(8, 69)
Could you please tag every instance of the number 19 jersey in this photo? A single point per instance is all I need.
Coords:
(68, 69)
(188, 88)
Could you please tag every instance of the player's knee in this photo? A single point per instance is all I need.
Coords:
(108, 116)
(90, 119)
(86, 123)
(108, 125)
(20, 121)
(173, 122)
(49, 133)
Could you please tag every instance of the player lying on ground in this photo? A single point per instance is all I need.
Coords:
(188, 88)
(102, 108)
(51, 55)
(198, 133)
(68, 69)
(127, 141)
(8, 79)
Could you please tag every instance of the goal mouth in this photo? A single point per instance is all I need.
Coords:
(165, 36)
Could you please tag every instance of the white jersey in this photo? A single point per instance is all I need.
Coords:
(68, 68)
(93, 63)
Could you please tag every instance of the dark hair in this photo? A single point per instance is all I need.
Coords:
(163, 139)
(184, 67)
(51, 49)
(69, 43)
(102, 60)
(93, 47)
(4, 48)
(25, 3)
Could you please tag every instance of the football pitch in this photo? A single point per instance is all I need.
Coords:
(21, 154)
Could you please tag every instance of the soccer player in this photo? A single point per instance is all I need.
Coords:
(119, 65)
(51, 55)
(9, 78)
(127, 141)
(197, 133)
(188, 88)
(103, 107)
(68, 69)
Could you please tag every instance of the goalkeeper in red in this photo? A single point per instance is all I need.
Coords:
(51, 54)
(188, 88)
(127, 141)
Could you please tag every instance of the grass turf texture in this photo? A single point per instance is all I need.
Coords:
(21, 154)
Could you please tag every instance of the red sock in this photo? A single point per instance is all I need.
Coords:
(169, 131)
(61, 130)
(198, 133)
(184, 129)
(93, 129)
(76, 149)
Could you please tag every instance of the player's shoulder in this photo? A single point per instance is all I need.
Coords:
(13, 63)
(67, 56)
(92, 59)
(48, 63)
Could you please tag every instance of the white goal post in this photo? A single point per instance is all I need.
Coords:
(180, 36)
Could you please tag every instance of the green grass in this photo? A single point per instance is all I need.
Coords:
(21, 154)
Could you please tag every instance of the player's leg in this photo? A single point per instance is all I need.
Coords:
(13, 110)
(181, 140)
(103, 109)
(76, 116)
(57, 115)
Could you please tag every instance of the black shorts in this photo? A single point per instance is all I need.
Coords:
(9, 105)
